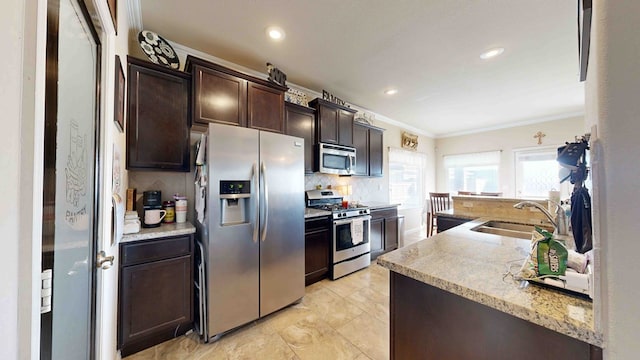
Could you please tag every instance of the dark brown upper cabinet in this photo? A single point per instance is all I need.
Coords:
(222, 95)
(300, 121)
(367, 140)
(334, 123)
(158, 117)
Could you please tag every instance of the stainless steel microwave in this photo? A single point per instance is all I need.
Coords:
(336, 159)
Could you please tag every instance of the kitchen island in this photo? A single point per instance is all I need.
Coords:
(450, 299)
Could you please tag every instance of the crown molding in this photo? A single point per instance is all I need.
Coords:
(135, 15)
(512, 124)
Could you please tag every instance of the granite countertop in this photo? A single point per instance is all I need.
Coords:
(473, 265)
(163, 230)
(374, 205)
(312, 213)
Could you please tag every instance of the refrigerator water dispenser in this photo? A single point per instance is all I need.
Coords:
(234, 200)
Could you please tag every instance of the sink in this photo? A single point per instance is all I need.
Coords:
(503, 228)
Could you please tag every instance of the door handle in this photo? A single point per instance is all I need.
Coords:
(103, 261)
(254, 172)
(265, 191)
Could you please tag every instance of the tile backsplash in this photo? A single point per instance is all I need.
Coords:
(363, 188)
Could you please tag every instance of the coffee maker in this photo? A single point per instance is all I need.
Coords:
(151, 200)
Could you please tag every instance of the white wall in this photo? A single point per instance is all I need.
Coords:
(11, 25)
(613, 85)
(507, 140)
(114, 141)
(21, 103)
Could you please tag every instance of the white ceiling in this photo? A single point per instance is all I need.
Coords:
(427, 49)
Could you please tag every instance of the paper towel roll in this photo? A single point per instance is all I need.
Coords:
(118, 218)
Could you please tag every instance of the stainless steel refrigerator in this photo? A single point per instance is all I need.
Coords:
(254, 246)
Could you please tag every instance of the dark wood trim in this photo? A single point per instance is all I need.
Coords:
(320, 101)
(164, 69)
(192, 60)
(367, 125)
(49, 181)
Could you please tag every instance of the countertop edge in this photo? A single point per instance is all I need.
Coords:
(376, 206)
(164, 230)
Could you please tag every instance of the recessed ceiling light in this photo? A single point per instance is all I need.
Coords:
(391, 91)
(491, 53)
(275, 33)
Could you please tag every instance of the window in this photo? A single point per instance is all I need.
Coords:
(406, 178)
(474, 172)
(536, 173)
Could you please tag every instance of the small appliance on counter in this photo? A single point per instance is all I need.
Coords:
(152, 208)
(131, 222)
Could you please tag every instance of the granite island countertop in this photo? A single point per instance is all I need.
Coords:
(473, 265)
(163, 230)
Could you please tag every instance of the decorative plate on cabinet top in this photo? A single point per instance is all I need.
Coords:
(158, 49)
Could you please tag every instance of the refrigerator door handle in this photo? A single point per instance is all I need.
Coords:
(265, 191)
(256, 220)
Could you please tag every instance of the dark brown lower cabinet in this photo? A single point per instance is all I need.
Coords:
(430, 323)
(156, 292)
(317, 240)
(384, 231)
(447, 222)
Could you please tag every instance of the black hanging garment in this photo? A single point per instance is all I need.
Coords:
(581, 219)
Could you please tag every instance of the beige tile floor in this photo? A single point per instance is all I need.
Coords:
(343, 319)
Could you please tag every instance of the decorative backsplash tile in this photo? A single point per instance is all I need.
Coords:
(364, 189)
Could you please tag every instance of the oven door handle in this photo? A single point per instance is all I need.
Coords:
(347, 221)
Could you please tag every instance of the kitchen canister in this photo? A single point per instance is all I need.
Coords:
(170, 207)
(181, 208)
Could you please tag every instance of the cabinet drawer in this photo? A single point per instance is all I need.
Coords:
(384, 213)
(155, 249)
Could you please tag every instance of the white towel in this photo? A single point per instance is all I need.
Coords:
(357, 228)
(201, 150)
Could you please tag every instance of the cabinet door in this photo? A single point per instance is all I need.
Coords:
(345, 128)
(328, 125)
(266, 108)
(316, 255)
(300, 122)
(390, 234)
(154, 296)
(445, 223)
(361, 143)
(219, 97)
(376, 238)
(375, 152)
(158, 120)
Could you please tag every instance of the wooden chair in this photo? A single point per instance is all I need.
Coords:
(490, 193)
(438, 202)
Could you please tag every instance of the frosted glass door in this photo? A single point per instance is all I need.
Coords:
(70, 190)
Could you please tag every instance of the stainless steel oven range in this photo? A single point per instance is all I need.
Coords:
(351, 249)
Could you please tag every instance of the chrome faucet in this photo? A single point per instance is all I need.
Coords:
(560, 220)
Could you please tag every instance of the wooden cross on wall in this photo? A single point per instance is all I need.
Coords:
(539, 135)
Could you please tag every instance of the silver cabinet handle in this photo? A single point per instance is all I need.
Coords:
(103, 261)
(265, 191)
(254, 174)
